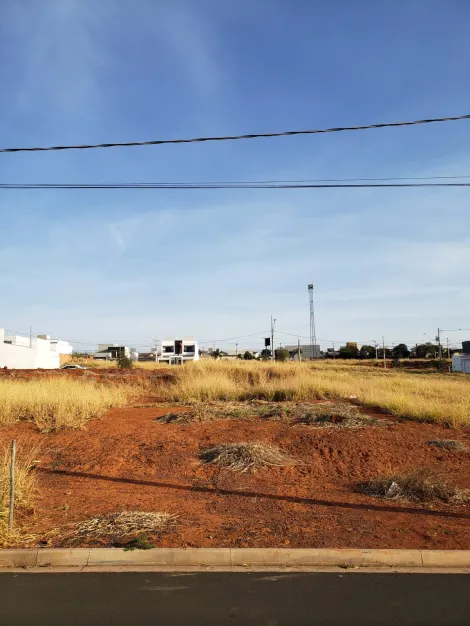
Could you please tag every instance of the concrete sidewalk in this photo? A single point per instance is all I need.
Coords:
(234, 557)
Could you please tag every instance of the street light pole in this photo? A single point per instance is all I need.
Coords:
(376, 351)
(272, 337)
(439, 344)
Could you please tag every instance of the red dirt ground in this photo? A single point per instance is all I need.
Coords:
(127, 460)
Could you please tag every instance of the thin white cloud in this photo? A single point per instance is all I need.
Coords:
(59, 57)
(192, 42)
(117, 237)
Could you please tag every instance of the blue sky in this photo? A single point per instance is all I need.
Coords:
(98, 266)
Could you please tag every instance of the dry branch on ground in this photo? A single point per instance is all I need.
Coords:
(243, 457)
(124, 525)
(417, 485)
(448, 444)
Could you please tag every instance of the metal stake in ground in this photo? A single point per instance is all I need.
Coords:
(12, 484)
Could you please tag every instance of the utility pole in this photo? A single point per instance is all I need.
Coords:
(439, 343)
(376, 351)
(236, 349)
(272, 337)
(383, 347)
(298, 349)
(30, 337)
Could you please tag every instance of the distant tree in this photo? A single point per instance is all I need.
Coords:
(240, 357)
(388, 353)
(265, 354)
(401, 351)
(425, 351)
(349, 352)
(215, 354)
(281, 354)
(367, 352)
(248, 356)
(421, 351)
(124, 362)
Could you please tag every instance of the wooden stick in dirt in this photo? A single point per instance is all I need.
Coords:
(12, 484)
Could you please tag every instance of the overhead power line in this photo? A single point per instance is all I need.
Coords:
(288, 133)
(181, 186)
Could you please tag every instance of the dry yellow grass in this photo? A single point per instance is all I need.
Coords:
(428, 396)
(56, 403)
(99, 364)
(25, 486)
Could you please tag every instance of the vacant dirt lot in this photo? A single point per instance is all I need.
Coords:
(129, 461)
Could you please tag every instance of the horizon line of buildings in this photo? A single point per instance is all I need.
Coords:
(43, 352)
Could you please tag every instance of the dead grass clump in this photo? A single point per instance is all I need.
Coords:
(25, 487)
(448, 444)
(210, 411)
(244, 457)
(417, 485)
(332, 415)
(124, 525)
(198, 413)
(182, 417)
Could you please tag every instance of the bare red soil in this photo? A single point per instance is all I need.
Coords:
(128, 461)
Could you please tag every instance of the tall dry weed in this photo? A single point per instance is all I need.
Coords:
(25, 486)
(56, 403)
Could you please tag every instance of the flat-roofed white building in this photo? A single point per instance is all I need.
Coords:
(20, 352)
(178, 351)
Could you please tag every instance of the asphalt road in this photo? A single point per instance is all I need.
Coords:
(270, 599)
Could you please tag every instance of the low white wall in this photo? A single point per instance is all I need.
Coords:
(62, 347)
(461, 363)
(24, 357)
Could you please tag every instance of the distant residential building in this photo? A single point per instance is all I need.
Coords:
(307, 351)
(21, 352)
(106, 352)
(331, 353)
(147, 356)
(461, 362)
(176, 351)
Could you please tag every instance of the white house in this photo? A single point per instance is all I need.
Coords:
(461, 362)
(178, 351)
(19, 352)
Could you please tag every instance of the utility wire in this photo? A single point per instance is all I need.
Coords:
(260, 334)
(234, 137)
(250, 182)
(49, 186)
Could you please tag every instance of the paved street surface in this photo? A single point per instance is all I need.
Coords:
(270, 599)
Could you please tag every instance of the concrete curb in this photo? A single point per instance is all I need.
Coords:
(234, 557)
